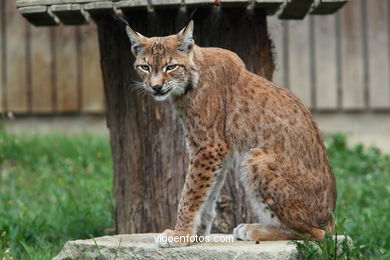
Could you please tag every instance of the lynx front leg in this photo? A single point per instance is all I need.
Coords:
(203, 174)
(208, 211)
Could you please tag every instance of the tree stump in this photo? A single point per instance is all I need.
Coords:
(147, 139)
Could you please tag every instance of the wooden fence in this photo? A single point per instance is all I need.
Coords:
(48, 70)
(333, 63)
(338, 62)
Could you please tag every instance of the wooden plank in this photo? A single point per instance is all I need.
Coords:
(378, 54)
(199, 3)
(327, 6)
(291, 9)
(270, 6)
(132, 4)
(352, 61)
(17, 83)
(23, 3)
(99, 8)
(299, 60)
(165, 3)
(2, 56)
(66, 70)
(234, 3)
(41, 70)
(276, 30)
(91, 77)
(325, 62)
(71, 14)
(294, 9)
(39, 15)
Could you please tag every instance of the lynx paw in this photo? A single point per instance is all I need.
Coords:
(169, 238)
(245, 231)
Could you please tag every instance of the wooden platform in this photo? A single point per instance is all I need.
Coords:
(77, 12)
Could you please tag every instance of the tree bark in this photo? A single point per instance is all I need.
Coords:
(147, 139)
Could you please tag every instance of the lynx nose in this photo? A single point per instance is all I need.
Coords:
(157, 88)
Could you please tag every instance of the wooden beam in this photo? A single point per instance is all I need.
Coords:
(234, 3)
(299, 60)
(165, 3)
(92, 92)
(199, 3)
(99, 8)
(71, 14)
(43, 64)
(327, 6)
(270, 6)
(39, 15)
(378, 55)
(294, 9)
(24, 3)
(325, 62)
(16, 71)
(3, 65)
(66, 70)
(352, 57)
(132, 4)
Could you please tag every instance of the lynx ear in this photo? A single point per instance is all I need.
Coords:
(186, 37)
(137, 40)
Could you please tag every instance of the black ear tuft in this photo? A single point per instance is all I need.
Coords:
(120, 18)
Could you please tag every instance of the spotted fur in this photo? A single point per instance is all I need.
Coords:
(234, 117)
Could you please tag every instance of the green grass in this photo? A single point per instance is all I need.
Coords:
(52, 189)
(56, 188)
(332, 247)
(363, 187)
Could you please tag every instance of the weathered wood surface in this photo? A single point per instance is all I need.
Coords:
(22, 3)
(72, 12)
(326, 58)
(349, 60)
(39, 15)
(48, 70)
(42, 71)
(270, 6)
(352, 57)
(92, 98)
(325, 63)
(67, 81)
(299, 67)
(165, 3)
(15, 61)
(99, 8)
(2, 56)
(378, 55)
(131, 4)
(295, 9)
(326, 6)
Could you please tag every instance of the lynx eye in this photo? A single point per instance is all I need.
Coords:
(144, 68)
(171, 67)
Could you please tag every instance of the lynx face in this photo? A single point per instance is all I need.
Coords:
(165, 64)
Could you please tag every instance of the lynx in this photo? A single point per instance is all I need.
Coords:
(234, 118)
